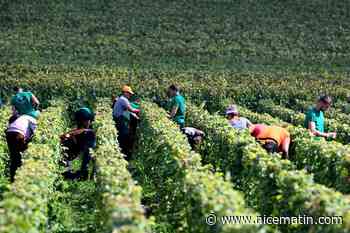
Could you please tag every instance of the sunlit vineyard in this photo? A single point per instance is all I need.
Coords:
(272, 58)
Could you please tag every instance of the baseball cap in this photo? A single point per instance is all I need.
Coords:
(84, 114)
(232, 109)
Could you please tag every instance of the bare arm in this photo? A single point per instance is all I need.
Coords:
(173, 111)
(14, 111)
(313, 131)
(72, 133)
(131, 109)
(285, 147)
(35, 100)
(249, 124)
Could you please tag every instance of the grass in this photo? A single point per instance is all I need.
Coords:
(74, 206)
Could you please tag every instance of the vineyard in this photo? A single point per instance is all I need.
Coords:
(167, 187)
(271, 58)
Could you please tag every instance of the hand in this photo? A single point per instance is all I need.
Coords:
(136, 116)
(64, 137)
(332, 135)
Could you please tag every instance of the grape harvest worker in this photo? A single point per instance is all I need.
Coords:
(21, 128)
(79, 141)
(177, 106)
(235, 120)
(194, 136)
(18, 135)
(122, 110)
(24, 103)
(274, 139)
(133, 119)
(314, 120)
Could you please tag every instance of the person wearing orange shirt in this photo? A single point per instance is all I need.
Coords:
(274, 139)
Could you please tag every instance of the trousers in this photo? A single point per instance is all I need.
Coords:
(16, 145)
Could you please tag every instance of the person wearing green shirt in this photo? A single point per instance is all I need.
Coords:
(314, 120)
(135, 102)
(25, 103)
(78, 142)
(177, 106)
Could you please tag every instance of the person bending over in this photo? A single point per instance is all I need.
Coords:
(194, 136)
(78, 142)
(274, 139)
(24, 103)
(19, 134)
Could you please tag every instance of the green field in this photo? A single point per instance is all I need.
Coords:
(172, 35)
(270, 57)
